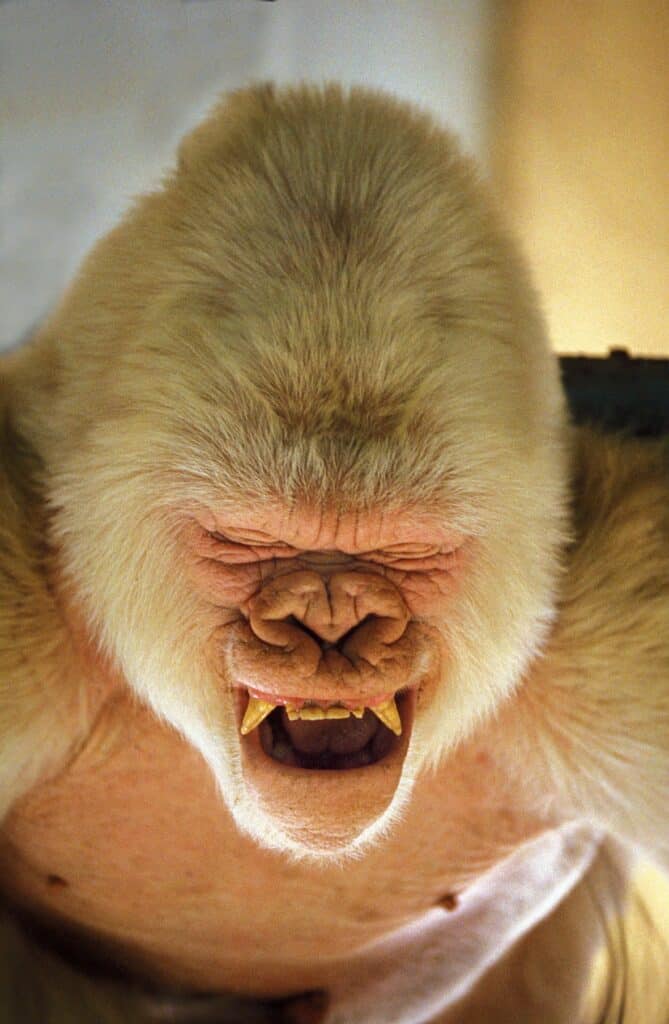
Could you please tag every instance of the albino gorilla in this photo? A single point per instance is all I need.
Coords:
(335, 660)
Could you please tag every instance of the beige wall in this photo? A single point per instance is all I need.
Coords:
(580, 156)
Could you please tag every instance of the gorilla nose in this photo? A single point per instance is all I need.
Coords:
(328, 608)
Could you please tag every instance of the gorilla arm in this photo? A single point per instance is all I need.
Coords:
(600, 694)
(41, 698)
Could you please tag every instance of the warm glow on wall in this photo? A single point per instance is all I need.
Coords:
(580, 133)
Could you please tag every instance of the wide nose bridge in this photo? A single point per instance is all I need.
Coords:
(328, 605)
(340, 612)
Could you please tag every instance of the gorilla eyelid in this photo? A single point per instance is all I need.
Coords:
(262, 550)
(412, 551)
(250, 539)
(247, 542)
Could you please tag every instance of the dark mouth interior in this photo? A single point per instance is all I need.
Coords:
(327, 744)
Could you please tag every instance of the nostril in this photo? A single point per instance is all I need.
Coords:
(349, 633)
(326, 645)
(323, 644)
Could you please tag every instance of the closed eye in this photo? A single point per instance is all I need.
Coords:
(415, 557)
(410, 551)
(225, 549)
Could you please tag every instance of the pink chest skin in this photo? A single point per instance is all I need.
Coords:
(132, 841)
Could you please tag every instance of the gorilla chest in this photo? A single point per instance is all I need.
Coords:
(131, 853)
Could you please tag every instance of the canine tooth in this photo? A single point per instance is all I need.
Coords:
(389, 715)
(255, 712)
(336, 712)
(358, 712)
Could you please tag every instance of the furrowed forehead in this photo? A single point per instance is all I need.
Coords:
(308, 526)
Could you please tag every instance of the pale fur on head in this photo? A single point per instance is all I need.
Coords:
(318, 302)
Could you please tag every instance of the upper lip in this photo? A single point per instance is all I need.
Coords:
(323, 701)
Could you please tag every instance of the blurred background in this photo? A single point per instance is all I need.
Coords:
(565, 105)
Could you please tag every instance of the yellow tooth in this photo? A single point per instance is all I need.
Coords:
(312, 714)
(256, 711)
(389, 715)
(358, 712)
(337, 712)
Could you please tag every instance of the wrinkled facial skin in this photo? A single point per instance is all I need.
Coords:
(330, 620)
(324, 616)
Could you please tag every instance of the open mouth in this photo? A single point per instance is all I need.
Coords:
(320, 769)
(325, 734)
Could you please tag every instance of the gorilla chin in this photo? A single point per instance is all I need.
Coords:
(303, 796)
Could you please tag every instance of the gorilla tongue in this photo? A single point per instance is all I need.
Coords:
(339, 736)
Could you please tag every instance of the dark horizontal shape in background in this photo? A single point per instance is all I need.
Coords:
(618, 392)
